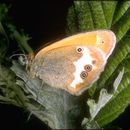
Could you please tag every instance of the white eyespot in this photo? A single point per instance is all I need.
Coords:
(88, 67)
(83, 74)
(79, 49)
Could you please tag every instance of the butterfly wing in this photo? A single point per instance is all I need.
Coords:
(72, 68)
(75, 62)
(102, 39)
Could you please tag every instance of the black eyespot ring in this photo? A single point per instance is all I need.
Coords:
(83, 74)
(88, 68)
(79, 49)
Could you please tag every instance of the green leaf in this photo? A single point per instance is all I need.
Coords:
(109, 14)
(22, 39)
(117, 105)
(122, 26)
(85, 15)
(71, 21)
(121, 8)
(82, 16)
(3, 11)
(114, 15)
(104, 97)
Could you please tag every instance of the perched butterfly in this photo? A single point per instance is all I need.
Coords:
(75, 62)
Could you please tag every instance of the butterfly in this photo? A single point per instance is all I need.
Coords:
(74, 63)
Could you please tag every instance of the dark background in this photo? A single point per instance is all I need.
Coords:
(44, 21)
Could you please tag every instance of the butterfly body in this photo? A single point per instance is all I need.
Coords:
(73, 63)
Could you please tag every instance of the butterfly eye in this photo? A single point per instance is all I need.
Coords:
(79, 49)
(83, 74)
(88, 67)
